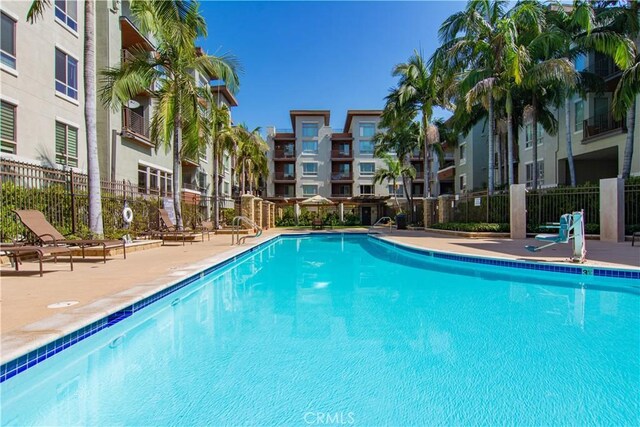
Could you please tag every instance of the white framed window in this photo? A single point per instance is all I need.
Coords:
(66, 11)
(8, 134)
(289, 170)
(529, 173)
(227, 188)
(399, 189)
(366, 146)
(309, 190)
(309, 169)
(309, 130)
(462, 181)
(154, 181)
(367, 169)
(309, 147)
(463, 153)
(578, 115)
(66, 145)
(367, 130)
(66, 74)
(528, 130)
(366, 190)
(8, 41)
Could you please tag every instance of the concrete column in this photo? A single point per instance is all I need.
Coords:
(429, 207)
(266, 212)
(257, 211)
(518, 211)
(247, 207)
(445, 209)
(341, 211)
(612, 210)
(272, 217)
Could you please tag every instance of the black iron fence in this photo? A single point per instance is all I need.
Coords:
(480, 207)
(62, 195)
(547, 205)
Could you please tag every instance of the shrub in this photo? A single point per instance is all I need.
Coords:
(476, 227)
(227, 215)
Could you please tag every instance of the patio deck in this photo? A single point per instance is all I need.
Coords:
(100, 289)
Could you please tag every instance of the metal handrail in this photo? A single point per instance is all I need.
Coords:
(235, 232)
(379, 222)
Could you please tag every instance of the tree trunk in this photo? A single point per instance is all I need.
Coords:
(177, 169)
(216, 187)
(427, 159)
(408, 196)
(492, 131)
(93, 163)
(395, 194)
(534, 135)
(567, 118)
(510, 170)
(628, 147)
(500, 165)
(243, 177)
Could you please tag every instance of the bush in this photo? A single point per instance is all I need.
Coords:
(474, 227)
(228, 215)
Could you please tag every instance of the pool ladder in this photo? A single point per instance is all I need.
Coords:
(235, 231)
(388, 222)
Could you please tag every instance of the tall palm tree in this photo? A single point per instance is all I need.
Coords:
(35, 12)
(222, 141)
(394, 169)
(251, 155)
(179, 117)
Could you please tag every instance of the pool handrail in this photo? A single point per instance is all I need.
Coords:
(235, 231)
(379, 222)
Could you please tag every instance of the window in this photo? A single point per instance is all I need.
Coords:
(309, 190)
(367, 129)
(66, 11)
(66, 74)
(367, 169)
(366, 147)
(580, 62)
(310, 169)
(463, 154)
(578, 115)
(66, 145)
(154, 181)
(366, 189)
(8, 125)
(8, 42)
(399, 190)
(529, 135)
(226, 162)
(310, 147)
(309, 130)
(463, 182)
(529, 173)
(227, 189)
(289, 170)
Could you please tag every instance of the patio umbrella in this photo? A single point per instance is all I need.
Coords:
(316, 200)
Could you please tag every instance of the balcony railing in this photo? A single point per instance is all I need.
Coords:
(284, 154)
(419, 175)
(341, 176)
(341, 154)
(135, 123)
(342, 194)
(604, 67)
(603, 123)
(285, 176)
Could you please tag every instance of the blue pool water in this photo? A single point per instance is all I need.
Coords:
(341, 330)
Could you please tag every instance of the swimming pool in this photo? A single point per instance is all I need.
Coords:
(346, 329)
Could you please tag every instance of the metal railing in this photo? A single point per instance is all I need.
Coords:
(135, 123)
(547, 205)
(384, 221)
(480, 207)
(235, 234)
(602, 123)
(604, 66)
(341, 154)
(283, 176)
(341, 176)
(284, 154)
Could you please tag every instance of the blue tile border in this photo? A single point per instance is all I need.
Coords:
(526, 265)
(22, 363)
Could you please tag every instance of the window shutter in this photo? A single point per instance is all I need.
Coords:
(8, 122)
(61, 138)
(72, 146)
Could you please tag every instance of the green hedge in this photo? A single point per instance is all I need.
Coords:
(475, 227)
(306, 217)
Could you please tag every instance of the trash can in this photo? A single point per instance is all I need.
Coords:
(401, 221)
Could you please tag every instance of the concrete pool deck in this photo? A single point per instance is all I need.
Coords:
(101, 289)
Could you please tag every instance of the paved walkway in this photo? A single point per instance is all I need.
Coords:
(101, 289)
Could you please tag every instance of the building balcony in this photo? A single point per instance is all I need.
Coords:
(602, 125)
(342, 176)
(341, 155)
(342, 195)
(605, 67)
(284, 176)
(419, 176)
(191, 187)
(287, 136)
(132, 36)
(284, 154)
(135, 126)
(341, 137)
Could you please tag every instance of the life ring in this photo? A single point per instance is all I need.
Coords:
(127, 215)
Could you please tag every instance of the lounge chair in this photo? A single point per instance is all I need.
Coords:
(168, 228)
(316, 224)
(47, 235)
(15, 252)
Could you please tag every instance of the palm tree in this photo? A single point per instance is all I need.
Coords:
(180, 114)
(395, 169)
(251, 155)
(36, 11)
(222, 142)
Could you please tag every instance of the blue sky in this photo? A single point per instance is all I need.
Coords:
(318, 55)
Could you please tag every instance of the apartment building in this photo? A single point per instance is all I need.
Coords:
(335, 161)
(42, 102)
(471, 160)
